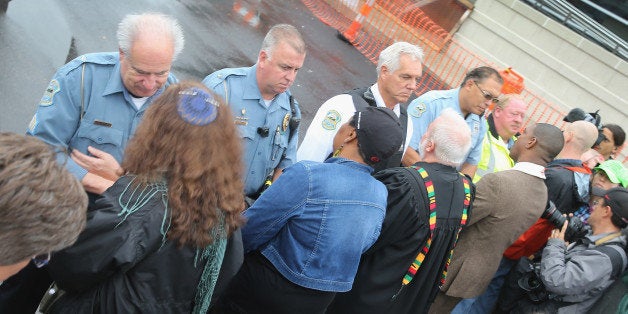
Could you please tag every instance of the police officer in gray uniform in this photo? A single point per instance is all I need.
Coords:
(264, 110)
(94, 103)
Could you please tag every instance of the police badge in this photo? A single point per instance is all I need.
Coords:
(286, 120)
(332, 118)
(417, 110)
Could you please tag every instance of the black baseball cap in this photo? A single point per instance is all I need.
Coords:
(617, 199)
(379, 133)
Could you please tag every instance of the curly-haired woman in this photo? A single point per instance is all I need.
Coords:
(161, 239)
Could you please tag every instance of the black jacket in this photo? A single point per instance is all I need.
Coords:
(561, 185)
(404, 232)
(123, 265)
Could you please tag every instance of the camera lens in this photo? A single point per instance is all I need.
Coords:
(533, 283)
(575, 227)
(553, 215)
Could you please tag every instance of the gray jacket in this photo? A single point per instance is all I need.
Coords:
(579, 273)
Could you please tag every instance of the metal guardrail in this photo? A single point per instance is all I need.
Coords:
(568, 15)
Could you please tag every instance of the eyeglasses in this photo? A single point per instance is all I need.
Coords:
(486, 94)
(140, 72)
(41, 260)
(599, 202)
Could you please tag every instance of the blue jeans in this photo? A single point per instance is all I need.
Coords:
(485, 303)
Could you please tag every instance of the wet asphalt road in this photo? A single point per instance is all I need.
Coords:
(36, 38)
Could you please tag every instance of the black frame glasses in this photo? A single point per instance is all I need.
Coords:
(486, 94)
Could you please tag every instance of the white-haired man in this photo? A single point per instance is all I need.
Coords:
(428, 204)
(399, 70)
(94, 103)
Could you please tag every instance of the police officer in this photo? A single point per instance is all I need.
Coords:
(91, 107)
(399, 70)
(479, 87)
(262, 105)
(94, 103)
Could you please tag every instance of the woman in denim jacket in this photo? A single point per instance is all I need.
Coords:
(305, 234)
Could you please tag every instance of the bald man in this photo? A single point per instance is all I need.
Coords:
(566, 173)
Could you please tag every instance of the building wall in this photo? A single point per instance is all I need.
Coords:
(557, 63)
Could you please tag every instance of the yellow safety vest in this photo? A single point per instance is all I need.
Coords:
(495, 156)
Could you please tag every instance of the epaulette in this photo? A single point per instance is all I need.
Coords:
(97, 58)
(221, 75)
(441, 94)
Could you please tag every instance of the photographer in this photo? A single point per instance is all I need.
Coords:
(576, 275)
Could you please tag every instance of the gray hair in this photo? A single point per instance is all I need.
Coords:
(283, 33)
(389, 57)
(451, 136)
(42, 206)
(134, 25)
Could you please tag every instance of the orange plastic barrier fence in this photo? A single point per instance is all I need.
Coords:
(445, 61)
(247, 12)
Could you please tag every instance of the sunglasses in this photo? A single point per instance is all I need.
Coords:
(486, 94)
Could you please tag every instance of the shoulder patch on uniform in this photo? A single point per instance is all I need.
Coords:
(33, 123)
(332, 119)
(417, 110)
(220, 76)
(100, 58)
(50, 92)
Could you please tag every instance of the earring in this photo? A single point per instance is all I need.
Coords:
(337, 151)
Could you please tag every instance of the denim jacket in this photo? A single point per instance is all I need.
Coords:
(316, 220)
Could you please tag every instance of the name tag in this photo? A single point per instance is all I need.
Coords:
(102, 123)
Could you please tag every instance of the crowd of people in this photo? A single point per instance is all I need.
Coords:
(133, 192)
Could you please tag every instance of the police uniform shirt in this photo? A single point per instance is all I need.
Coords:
(318, 142)
(264, 150)
(427, 107)
(110, 116)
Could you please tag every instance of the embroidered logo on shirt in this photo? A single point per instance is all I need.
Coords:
(418, 110)
(50, 92)
(331, 121)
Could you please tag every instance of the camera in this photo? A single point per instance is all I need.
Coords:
(575, 228)
(532, 284)
(263, 131)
